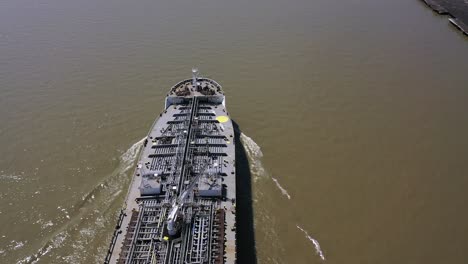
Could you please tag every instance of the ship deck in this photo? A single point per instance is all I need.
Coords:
(185, 178)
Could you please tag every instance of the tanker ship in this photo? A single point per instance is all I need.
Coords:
(181, 203)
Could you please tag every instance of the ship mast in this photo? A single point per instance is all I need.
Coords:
(194, 77)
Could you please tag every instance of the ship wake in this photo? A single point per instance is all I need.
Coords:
(89, 218)
(254, 154)
(314, 241)
(283, 191)
(110, 184)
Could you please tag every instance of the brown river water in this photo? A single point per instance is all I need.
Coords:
(354, 117)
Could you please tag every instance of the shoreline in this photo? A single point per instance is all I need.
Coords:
(458, 16)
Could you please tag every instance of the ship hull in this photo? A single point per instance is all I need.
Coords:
(181, 203)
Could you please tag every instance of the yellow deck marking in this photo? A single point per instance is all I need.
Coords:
(222, 119)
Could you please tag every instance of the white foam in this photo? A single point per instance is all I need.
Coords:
(44, 224)
(47, 224)
(112, 183)
(129, 157)
(55, 242)
(127, 160)
(116, 193)
(10, 177)
(254, 153)
(14, 245)
(314, 241)
(250, 146)
(283, 191)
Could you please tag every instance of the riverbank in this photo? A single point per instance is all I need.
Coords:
(457, 10)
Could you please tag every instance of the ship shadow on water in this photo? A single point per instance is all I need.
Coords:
(246, 251)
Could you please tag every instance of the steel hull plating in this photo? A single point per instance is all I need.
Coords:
(181, 203)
